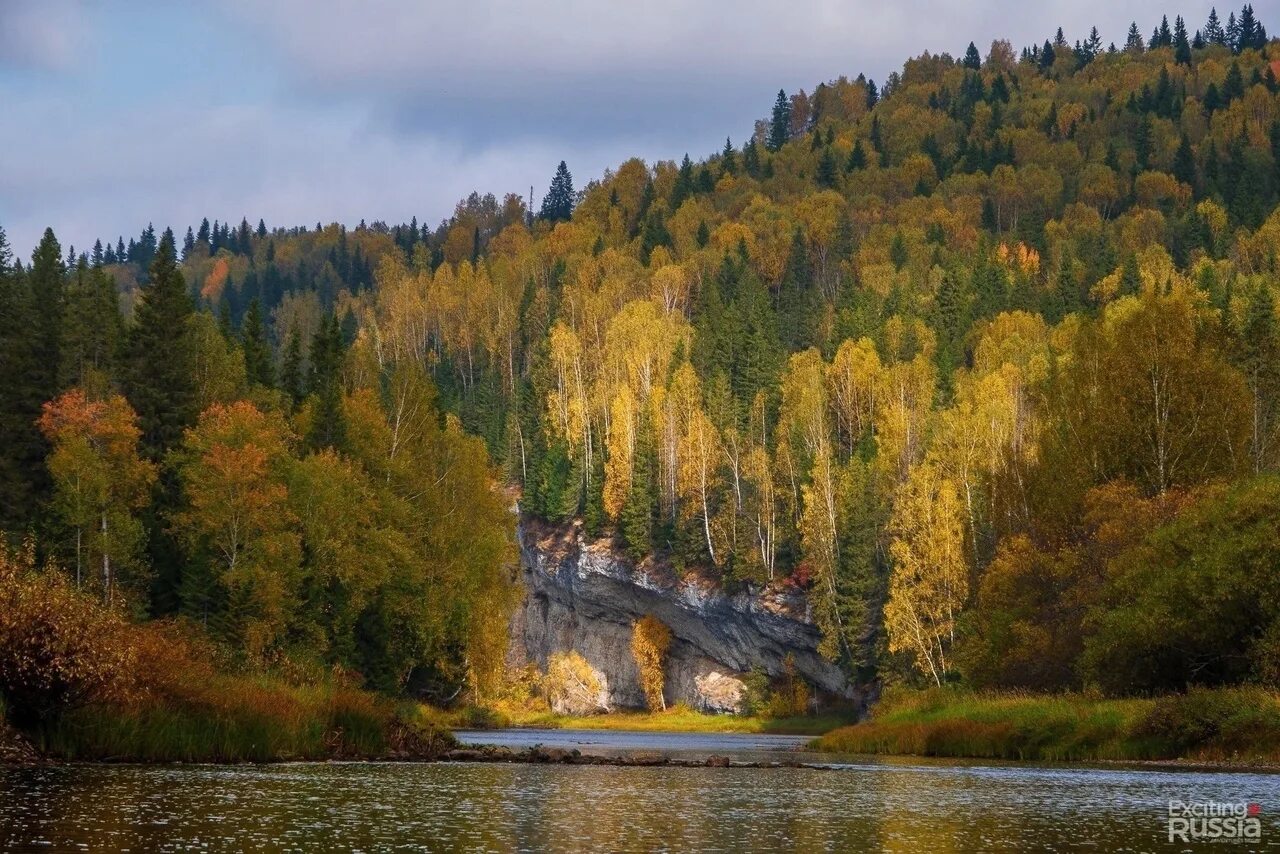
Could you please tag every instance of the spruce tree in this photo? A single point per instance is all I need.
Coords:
(257, 350)
(972, 59)
(1248, 30)
(1213, 32)
(1181, 46)
(47, 281)
(728, 159)
(160, 370)
(857, 158)
(780, 123)
(324, 385)
(557, 204)
(751, 158)
(23, 476)
(291, 368)
(1133, 43)
(1184, 163)
(92, 329)
(827, 173)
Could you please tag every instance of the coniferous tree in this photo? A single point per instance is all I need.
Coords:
(47, 281)
(1213, 32)
(1181, 46)
(257, 350)
(1248, 30)
(1184, 163)
(1133, 42)
(291, 368)
(92, 330)
(780, 123)
(557, 204)
(751, 158)
(972, 59)
(23, 477)
(160, 368)
(728, 159)
(324, 386)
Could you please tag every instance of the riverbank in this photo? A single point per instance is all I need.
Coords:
(1226, 726)
(242, 720)
(675, 719)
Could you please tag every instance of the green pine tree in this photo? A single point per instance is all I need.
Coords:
(257, 350)
(780, 124)
(160, 364)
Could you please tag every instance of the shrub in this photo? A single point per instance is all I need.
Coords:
(572, 686)
(59, 649)
(650, 639)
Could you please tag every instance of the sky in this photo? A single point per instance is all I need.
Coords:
(116, 114)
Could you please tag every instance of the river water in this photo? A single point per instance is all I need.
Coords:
(860, 803)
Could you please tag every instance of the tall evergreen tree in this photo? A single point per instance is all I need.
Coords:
(291, 368)
(972, 59)
(23, 477)
(1133, 42)
(728, 159)
(257, 350)
(47, 281)
(780, 123)
(324, 385)
(160, 371)
(92, 329)
(1213, 32)
(557, 204)
(1181, 46)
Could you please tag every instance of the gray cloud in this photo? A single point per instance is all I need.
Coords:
(46, 35)
(385, 109)
(486, 65)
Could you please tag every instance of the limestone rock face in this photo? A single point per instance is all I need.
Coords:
(719, 692)
(584, 595)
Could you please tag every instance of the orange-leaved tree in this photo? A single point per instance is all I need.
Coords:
(100, 483)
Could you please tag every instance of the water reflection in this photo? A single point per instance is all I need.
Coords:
(908, 806)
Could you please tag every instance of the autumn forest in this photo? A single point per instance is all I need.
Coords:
(983, 357)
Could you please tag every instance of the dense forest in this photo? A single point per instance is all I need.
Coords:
(984, 358)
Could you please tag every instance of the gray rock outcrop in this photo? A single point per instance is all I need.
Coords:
(585, 595)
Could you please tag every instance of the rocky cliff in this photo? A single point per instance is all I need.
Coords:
(584, 595)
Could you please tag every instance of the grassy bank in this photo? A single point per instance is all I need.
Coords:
(680, 719)
(1219, 725)
(674, 719)
(245, 720)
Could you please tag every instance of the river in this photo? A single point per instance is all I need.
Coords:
(860, 803)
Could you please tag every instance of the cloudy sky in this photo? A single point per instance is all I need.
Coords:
(113, 114)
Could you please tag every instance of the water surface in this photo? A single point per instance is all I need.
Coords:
(862, 804)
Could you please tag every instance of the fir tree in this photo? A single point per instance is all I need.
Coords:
(557, 204)
(1133, 43)
(857, 158)
(23, 476)
(972, 59)
(291, 368)
(324, 386)
(257, 350)
(1181, 47)
(780, 124)
(728, 159)
(92, 330)
(828, 172)
(47, 281)
(1213, 32)
(1184, 163)
(160, 370)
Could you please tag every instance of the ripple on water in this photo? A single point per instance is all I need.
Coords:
(907, 805)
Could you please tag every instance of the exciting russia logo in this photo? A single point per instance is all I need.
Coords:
(1214, 821)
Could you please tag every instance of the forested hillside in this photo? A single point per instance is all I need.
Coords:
(985, 358)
